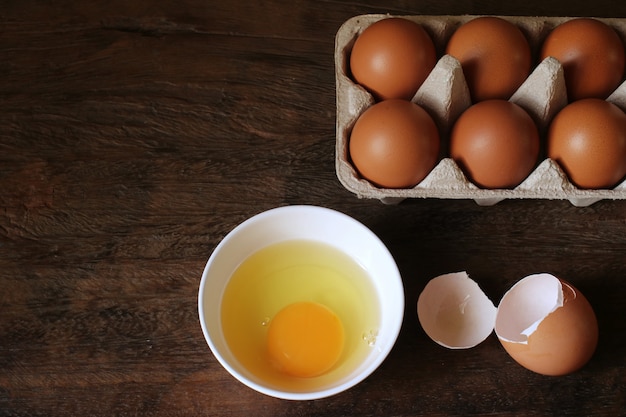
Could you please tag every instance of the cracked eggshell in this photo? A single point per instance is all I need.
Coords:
(547, 325)
(455, 312)
(543, 322)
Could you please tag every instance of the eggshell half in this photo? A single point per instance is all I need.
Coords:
(546, 325)
(543, 322)
(455, 312)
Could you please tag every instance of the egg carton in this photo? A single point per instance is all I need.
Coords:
(445, 95)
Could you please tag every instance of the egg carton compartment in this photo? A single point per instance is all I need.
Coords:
(445, 95)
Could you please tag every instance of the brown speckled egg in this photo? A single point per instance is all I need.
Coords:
(392, 58)
(495, 143)
(494, 54)
(588, 141)
(394, 144)
(592, 55)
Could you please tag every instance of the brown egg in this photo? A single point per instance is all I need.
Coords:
(592, 55)
(495, 143)
(494, 54)
(547, 325)
(392, 58)
(588, 141)
(394, 144)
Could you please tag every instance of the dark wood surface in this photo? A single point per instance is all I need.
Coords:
(135, 134)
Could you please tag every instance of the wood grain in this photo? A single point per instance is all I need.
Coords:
(135, 135)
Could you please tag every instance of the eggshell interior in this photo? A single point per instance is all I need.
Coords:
(445, 95)
(525, 305)
(455, 312)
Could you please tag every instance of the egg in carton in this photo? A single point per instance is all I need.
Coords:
(445, 95)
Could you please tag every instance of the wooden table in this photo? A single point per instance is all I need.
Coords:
(135, 134)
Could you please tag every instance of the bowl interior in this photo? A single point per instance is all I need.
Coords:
(302, 223)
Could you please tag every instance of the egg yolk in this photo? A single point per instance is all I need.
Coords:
(305, 339)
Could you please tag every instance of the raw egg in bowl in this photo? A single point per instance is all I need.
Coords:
(301, 302)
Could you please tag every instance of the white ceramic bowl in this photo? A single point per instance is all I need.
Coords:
(295, 223)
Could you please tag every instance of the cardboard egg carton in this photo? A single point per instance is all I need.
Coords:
(445, 95)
